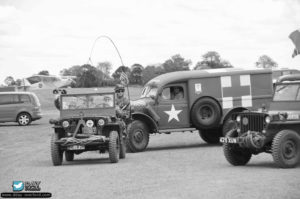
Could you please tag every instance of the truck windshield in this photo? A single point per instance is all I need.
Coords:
(148, 91)
(288, 92)
(88, 101)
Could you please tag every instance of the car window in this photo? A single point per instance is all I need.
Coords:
(24, 99)
(6, 99)
(166, 94)
(173, 93)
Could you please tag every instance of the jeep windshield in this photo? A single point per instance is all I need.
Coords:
(149, 91)
(287, 92)
(88, 101)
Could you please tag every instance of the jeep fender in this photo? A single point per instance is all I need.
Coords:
(147, 120)
(229, 112)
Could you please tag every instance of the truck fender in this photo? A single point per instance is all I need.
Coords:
(147, 120)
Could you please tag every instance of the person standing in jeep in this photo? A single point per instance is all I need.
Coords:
(121, 101)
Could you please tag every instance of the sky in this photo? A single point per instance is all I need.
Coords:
(51, 35)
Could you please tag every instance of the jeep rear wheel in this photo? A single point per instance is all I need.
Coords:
(56, 152)
(206, 114)
(210, 136)
(138, 136)
(286, 149)
(122, 154)
(234, 154)
(69, 155)
(114, 147)
(24, 119)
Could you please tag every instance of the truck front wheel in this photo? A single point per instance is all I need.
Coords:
(286, 149)
(234, 154)
(138, 136)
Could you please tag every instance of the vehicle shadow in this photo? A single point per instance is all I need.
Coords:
(266, 164)
(182, 146)
(16, 124)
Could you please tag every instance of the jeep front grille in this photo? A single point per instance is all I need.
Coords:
(252, 121)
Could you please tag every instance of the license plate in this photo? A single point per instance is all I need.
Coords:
(228, 140)
(76, 147)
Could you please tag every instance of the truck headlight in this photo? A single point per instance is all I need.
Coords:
(238, 118)
(65, 124)
(101, 122)
(268, 119)
(89, 123)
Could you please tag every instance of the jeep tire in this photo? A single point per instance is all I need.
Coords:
(206, 114)
(69, 156)
(138, 136)
(114, 147)
(56, 152)
(122, 154)
(286, 149)
(228, 125)
(234, 154)
(210, 136)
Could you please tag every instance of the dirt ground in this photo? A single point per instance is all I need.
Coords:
(179, 165)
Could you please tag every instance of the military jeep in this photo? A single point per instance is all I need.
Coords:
(276, 131)
(87, 122)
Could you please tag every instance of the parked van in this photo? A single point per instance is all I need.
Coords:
(21, 107)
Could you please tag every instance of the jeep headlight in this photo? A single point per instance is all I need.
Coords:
(238, 118)
(89, 123)
(268, 119)
(65, 124)
(101, 122)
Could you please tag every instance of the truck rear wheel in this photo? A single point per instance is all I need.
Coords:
(234, 154)
(114, 147)
(206, 114)
(286, 149)
(210, 136)
(56, 152)
(138, 136)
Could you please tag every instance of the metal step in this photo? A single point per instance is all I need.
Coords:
(177, 130)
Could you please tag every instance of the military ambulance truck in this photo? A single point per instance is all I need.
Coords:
(202, 100)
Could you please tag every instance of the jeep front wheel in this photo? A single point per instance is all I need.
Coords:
(114, 147)
(286, 149)
(138, 136)
(56, 152)
(234, 154)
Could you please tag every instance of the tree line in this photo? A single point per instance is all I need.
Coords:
(100, 75)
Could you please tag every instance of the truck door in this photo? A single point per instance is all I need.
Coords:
(172, 107)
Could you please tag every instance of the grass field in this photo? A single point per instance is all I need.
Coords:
(47, 98)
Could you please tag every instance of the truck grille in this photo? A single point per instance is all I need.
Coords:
(252, 121)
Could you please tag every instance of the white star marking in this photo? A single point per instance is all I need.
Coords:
(173, 114)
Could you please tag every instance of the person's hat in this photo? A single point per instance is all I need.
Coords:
(119, 87)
